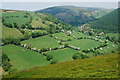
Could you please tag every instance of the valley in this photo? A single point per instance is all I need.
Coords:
(38, 45)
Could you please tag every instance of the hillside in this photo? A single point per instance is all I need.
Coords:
(75, 16)
(33, 40)
(23, 20)
(109, 22)
(104, 66)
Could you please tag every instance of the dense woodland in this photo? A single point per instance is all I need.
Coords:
(109, 22)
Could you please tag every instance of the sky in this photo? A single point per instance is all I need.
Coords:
(32, 5)
(60, 0)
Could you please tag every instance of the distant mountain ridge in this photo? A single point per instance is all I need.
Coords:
(75, 16)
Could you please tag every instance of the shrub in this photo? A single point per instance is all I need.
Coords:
(76, 56)
(11, 41)
(5, 62)
(80, 55)
(49, 57)
(53, 61)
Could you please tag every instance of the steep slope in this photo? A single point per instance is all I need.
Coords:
(75, 15)
(108, 22)
(31, 20)
(105, 66)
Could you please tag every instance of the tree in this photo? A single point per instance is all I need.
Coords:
(5, 62)
(65, 45)
(76, 56)
(30, 27)
(79, 55)
(49, 57)
(53, 61)
(26, 36)
(11, 41)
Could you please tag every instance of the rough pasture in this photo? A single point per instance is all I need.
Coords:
(37, 21)
(105, 66)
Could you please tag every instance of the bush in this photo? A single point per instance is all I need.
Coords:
(76, 56)
(49, 57)
(53, 61)
(11, 70)
(5, 62)
(98, 52)
(11, 41)
(80, 55)
(113, 51)
(26, 36)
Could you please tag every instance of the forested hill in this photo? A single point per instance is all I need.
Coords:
(108, 22)
(75, 15)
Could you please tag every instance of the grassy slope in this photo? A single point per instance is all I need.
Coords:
(62, 36)
(78, 34)
(84, 43)
(113, 35)
(10, 32)
(37, 21)
(62, 55)
(22, 58)
(105, 66)
(14, 19)
(41, 42)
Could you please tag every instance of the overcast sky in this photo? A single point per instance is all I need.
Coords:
(31, 6)
(59, 0)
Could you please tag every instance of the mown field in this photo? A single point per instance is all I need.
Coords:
(22, 59)
(62, 36)
(105, 66)
(20, 18)
(62, 55)
(10, 32)
(41, 42)
(84, 43)
(78, 34)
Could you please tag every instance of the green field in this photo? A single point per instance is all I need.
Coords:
(37, 21)
(113, 35)
(78, 34)
(62, 36)
(10, 32)
(28, 31)
(105, 66)
(84, 43)
(41, 42)
(22, 58)
(16, 17)
(111, 47)
(62, 55)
